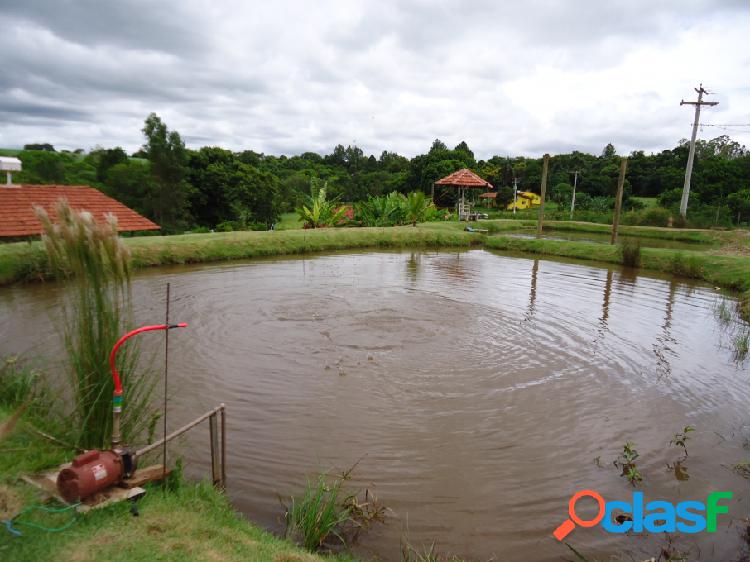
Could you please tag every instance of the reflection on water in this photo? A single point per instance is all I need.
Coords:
(478, 389)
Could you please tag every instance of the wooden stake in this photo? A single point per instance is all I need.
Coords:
(540, 221)
(223, 415)
(215, 468)
(618, 199)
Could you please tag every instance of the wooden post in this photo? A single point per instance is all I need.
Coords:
(618, 199)
(215, 468)
(540, 221)
(223, 447)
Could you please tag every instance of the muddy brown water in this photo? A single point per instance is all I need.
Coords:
(476, 390)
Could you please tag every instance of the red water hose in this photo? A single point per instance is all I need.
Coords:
(123, 339)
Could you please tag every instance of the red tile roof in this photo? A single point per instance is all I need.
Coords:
(464, 178)
(488, 196)
(17, 217)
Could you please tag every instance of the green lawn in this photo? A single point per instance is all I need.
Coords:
(289, 221)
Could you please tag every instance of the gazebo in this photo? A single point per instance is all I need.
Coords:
(462, 180)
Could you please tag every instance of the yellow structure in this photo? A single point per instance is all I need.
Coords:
(525, 200)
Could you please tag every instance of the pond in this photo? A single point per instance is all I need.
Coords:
(477, 391)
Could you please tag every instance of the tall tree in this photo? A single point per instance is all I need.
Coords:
(167, 203)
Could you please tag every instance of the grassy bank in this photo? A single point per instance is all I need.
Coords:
(193, 522)
(727, 264)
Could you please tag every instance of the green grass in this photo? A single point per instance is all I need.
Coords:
(647, 201)
(289, 221)
(195, 522)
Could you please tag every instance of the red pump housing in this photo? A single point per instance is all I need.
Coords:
(90, 472)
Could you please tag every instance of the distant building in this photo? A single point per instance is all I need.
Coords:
(18, 219)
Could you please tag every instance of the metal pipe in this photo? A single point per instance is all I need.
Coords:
(117, 397)
(177, 433)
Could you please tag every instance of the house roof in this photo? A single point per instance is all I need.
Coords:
(488, 196)
(464, 178)
(17, 217)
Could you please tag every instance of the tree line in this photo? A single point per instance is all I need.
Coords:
(181, 188)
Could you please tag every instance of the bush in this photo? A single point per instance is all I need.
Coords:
(652, 216)
(630, 252)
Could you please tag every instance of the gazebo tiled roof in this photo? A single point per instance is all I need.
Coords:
(464, 178)
(17, 216)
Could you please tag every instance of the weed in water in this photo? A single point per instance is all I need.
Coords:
(626, 461)
(426, 554)
(723, 313)
(680, 439)
(317, 518)
(741, 346)
(97, 312)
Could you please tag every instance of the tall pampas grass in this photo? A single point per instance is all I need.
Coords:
(97, 311)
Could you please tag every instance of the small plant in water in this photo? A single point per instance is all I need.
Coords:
(324, 519)
(411, 554)
(626, 461)
(723, 313)
(680, 439)
(742, 346)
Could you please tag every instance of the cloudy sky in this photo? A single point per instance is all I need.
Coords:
(279, 76)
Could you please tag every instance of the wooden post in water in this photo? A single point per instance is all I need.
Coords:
(540, 220)
(618, 199)
(213, 429)
(223, 447)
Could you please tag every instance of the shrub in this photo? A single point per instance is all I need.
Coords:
(686, 266)
(630, 252)
(96, 313)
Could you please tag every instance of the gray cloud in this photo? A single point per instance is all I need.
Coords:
(285, 77)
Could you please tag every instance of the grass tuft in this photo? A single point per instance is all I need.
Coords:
(630, 252)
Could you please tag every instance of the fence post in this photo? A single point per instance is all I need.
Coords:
(223, 447)
(214, 431)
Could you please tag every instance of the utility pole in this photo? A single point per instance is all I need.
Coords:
(691, 154)
(515, 193)
(540, 220)
(618, 199)
(573, 201)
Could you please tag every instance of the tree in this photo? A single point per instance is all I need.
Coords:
(248, 196)
(104, 159)
(40, 146)
(167, 202)
(739, 203)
